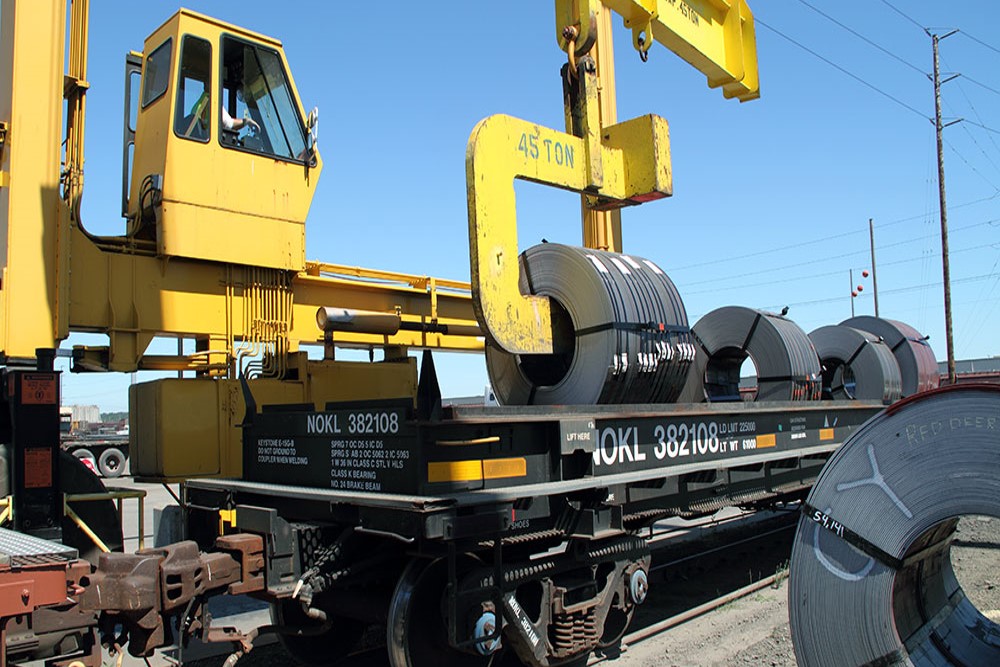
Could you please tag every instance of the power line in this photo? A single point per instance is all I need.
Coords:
(903, 14)
(979, 118)
(898, 290)
(988, 129)
(863, 38)
(839, 272)
(980, 84)
(826, 258)
(794, 246)
(842, 70)
(979, 41)
(969, 164)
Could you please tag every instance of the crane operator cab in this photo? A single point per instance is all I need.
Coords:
(225, 163)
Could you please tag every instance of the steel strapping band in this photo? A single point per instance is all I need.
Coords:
(785, 378)
(751, 332)
(900, 343)
(700, 343)
(648, 327)
(828, 523)
(861, 348)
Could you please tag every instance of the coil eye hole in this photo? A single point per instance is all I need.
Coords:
(945, 594)
(547, 370)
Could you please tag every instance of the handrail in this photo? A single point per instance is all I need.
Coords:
(116, 494)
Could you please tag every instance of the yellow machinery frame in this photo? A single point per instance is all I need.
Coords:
(55, 277)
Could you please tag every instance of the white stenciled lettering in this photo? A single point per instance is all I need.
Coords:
(618, 445)
(679, 441)
(322, 424)
(822, 519)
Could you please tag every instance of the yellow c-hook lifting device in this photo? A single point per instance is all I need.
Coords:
(611, 164)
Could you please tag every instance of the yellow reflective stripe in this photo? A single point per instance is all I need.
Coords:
(500, 468)
(826, 434)
(765, 441)
(454, 471)
(476, 470)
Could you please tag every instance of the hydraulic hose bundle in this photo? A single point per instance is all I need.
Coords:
(856, 365)
(871, 578)
(787, 366)
(917, 367)
(620, 332)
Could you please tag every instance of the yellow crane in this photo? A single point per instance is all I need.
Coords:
(221, 259)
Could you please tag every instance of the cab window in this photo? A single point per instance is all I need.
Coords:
(194, 99)
(259, 111)
(157, 74)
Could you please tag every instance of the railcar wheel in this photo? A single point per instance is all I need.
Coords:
(417, 633)
(328, 648)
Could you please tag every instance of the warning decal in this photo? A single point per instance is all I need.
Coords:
(38, 389)
(37, 468)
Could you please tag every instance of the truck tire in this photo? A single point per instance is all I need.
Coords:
(112, 462)
(86, 457)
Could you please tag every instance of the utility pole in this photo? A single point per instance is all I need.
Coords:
(853, 293)
(945, 266)
(871, 237)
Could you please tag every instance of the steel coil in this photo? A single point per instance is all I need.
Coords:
(620, 332)
(917, 366)
(871, 581)
(787, 366)
(856, 365)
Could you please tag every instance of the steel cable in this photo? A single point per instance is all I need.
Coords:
(856, 365)
(787, 366)
(619, 328)
(918, 368)
(871, 577)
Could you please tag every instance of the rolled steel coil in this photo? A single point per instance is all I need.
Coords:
(787, 366)
(856, 365)
(917, 366)
(620, 332)
(871, 580)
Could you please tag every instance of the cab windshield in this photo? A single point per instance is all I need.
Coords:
(255, 87)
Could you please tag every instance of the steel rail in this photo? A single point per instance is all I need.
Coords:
(702, 609)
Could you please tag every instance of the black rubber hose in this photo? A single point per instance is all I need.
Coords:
(856, 365)
(619, 327)
(918, 368)
(871, 579)
(787, 366)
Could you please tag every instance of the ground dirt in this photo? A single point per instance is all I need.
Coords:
(754, 630)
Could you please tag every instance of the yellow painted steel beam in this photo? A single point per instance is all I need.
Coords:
(634, 159)
(603, 229)
(33, 219)
(133, 298)
(716, 37)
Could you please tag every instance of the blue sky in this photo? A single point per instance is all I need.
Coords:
(771, 198)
